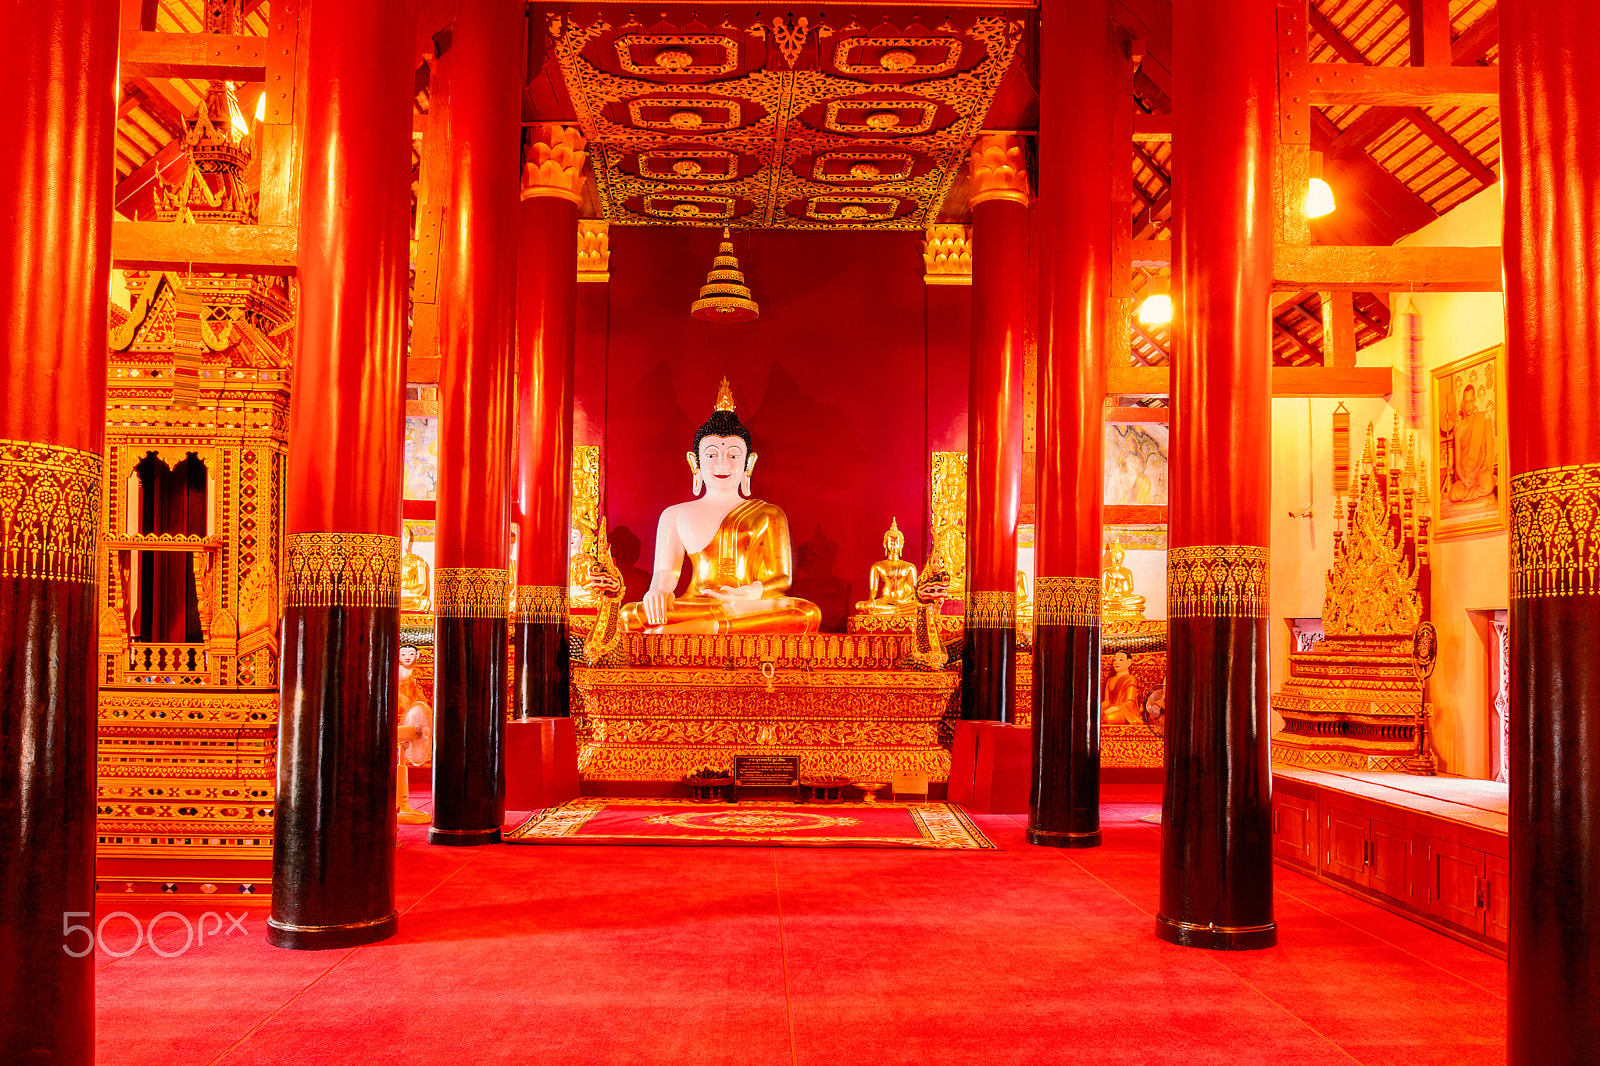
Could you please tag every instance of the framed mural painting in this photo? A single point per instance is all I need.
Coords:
(1471, 491)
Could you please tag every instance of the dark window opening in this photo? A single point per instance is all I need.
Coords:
(170, 501)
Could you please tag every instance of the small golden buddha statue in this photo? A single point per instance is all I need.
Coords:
(1118, 601)
(741, 558)
(416, 584)
(892, 582)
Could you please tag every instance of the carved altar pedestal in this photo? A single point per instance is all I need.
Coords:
(837, 702)
(1350, 703)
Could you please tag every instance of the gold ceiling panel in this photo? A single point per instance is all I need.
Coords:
(894, 115)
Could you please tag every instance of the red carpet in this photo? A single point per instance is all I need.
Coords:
(665, 821)
(812, 957)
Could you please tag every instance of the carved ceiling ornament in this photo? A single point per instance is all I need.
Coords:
(553, 165)
(756, 115)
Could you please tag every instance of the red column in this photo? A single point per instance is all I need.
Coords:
(999, 200)
(472, 592)
(333, 843)
(55, 224)
(547, 308)
(1077, 93)
(1216, 844)
(1550, 104)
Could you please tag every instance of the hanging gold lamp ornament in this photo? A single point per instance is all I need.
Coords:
(725, 297)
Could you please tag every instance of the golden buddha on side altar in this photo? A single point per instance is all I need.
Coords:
(892, 582)
(1118, 601)
(741, 558)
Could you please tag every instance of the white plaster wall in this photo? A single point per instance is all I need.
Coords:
(1470, 574)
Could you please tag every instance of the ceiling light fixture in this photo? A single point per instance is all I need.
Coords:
(1319, 196)
(1156, 310)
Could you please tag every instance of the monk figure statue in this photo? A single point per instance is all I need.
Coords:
(740, 555)
(1119, 698)
(892, 582)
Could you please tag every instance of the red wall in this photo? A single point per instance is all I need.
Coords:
(832, 380)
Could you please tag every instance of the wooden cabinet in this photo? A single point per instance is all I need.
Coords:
(1448, 875)
(1367, 851)
(1467, 888)
(1294, 829)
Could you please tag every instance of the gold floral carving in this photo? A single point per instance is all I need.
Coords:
(875, 108)
(998, 169)
(668, 52)
(1555, 532)
(342, 570)
(1217, 581)
(947, 255)
(947, 63)
(586, 490)
(771, 133)
(554, 163)
(1066, 601)
(594, 254)
(991, 610)
(540, 603)
(471, 592)
(950, 516)
(49, 511)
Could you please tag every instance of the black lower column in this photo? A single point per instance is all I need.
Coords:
(471, 631)
(540, 659)
(1064, 811)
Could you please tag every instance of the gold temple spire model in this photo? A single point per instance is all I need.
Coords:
(725, 297)
(1353, 699)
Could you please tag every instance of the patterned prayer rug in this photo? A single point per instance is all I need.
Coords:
(593, 820)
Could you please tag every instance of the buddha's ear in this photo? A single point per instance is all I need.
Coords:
(699, 485)
(749, 465)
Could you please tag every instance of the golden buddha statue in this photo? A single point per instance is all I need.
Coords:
(416, 586)
(892, 582)
(1118, 601)
(741, 559)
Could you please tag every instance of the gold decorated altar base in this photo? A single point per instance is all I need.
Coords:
(659, 724)
(1350, 703)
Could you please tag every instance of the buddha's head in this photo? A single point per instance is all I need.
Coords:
(724, 454)
(894, 541)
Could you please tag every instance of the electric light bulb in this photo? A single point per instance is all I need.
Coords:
(1156, 310)
(1319, 199)
(261, 108)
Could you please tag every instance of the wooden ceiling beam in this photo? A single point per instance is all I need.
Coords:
(1349, 85)
(1336, 40)
(1450, 146)
(231, 57)
(161, 110)
(1356, 268)
(1152, 128)
(218, 247)
(1473, 45)
(1430, 32)
(1337, 382)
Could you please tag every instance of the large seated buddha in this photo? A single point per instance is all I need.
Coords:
(740, 555)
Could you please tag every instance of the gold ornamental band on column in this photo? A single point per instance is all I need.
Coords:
(343, 570)
(539, 603)
(1066, 601)
(1555, 532)
(49, 511)
(991, 610)
(1217, 581)
(471, 592)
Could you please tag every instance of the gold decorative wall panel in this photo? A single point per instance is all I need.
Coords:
(949, 479)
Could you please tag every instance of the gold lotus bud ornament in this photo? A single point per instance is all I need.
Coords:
(673, 59)
(684, 120)
(897, 60)
(725, 297)
(882, 120)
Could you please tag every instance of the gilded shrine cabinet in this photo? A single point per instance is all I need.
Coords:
(191, 555)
